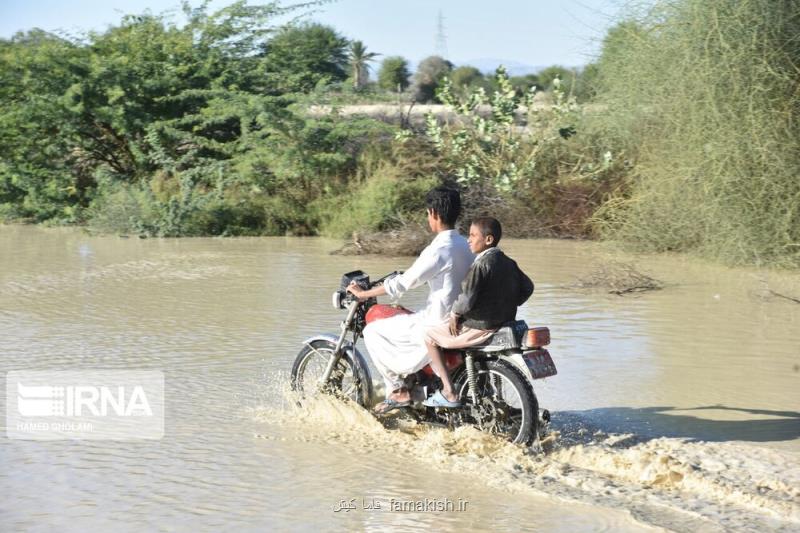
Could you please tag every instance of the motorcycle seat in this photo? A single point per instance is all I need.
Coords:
(509, 336)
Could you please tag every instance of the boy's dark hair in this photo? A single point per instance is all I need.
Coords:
(446, 203)
(489, 226)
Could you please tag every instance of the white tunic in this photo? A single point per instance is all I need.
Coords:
(396, 345)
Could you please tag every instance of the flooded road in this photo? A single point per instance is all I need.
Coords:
(677, 409)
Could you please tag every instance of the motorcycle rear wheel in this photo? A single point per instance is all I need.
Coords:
(310, 364)
(506, 406)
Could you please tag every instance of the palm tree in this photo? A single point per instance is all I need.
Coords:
(359, 57)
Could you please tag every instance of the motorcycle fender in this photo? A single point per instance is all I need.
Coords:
(517, 360)
(361, 364)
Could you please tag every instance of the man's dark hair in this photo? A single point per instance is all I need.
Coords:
(489, 226)
(446, 203)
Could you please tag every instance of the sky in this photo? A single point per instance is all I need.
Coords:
(528, 32)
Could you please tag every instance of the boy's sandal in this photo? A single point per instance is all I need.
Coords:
(438, 400)
(389, 405)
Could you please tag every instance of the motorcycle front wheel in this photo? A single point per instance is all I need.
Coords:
(310, 364)
(506, 404)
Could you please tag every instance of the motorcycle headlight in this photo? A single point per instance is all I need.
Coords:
(336, 300)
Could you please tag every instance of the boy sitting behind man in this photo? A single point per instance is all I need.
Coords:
(493, 289)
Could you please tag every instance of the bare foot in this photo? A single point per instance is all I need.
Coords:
(401, 395)
(398, 396)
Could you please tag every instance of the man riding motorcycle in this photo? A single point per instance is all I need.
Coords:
(396, 345)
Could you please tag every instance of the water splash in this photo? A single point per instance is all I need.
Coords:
(663, 482)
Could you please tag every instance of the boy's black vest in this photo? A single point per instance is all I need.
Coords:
(493, 289)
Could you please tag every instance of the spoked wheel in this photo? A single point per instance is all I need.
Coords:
(310, 365)
(506, 403)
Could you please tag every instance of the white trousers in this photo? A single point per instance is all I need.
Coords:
(397, 347)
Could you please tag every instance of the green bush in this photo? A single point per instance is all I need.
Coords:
(703, 94)
(388, 191)
(529, 166)
(383, 202)
(125, 209)
(133, 209)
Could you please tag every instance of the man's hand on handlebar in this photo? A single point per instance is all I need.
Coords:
(362, 294)
(376, 287)
(356, 291)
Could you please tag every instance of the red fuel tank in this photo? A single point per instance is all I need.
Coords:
(381, 311)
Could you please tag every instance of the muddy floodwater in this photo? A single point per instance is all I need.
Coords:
(677, 409)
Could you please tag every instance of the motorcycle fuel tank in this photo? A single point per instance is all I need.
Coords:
(381, 311)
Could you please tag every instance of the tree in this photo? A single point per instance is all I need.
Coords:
(549, 74)
(465, 77)
(38, 178)
(359, 62)
(300, 57)
(393, 74)
(145, 98)
(430, 73)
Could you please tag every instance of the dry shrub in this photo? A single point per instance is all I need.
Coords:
(408, 240)
(558, 206)
(619, 278)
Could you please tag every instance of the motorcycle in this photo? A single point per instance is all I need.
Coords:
(493, 380)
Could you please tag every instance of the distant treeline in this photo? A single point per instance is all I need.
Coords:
(198, 128)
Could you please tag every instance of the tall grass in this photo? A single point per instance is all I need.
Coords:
(705, 95)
